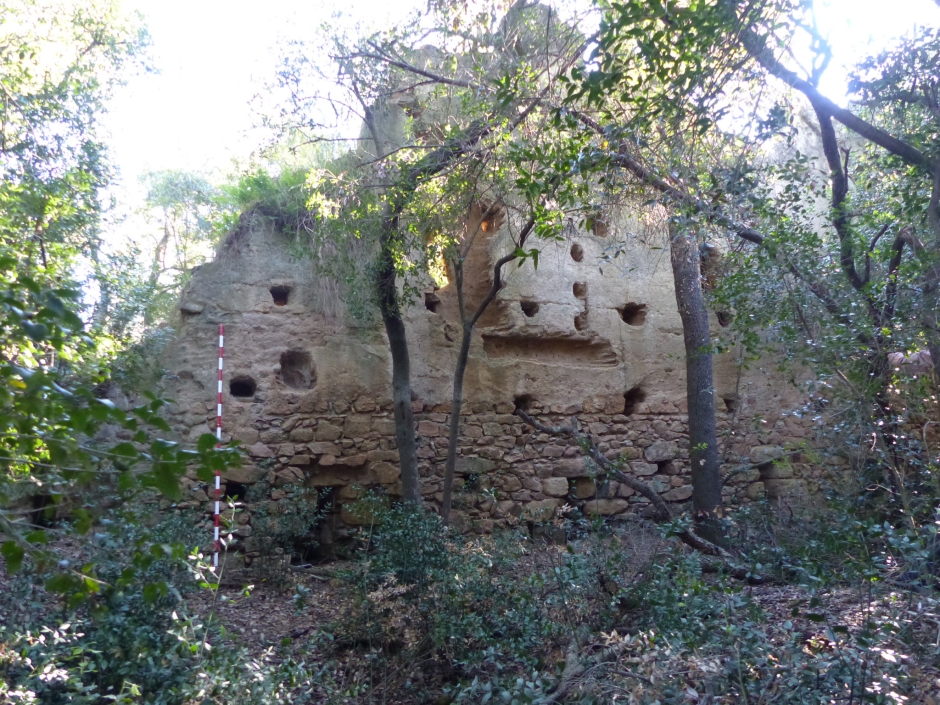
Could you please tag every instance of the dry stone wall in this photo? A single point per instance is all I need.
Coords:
(307, 388)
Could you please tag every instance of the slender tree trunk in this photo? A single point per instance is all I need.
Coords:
(456, 405)
(390, 307)
(703, 436)
(462, 359)
(401, 362)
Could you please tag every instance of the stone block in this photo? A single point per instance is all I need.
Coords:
(301, 435)
(384, 427)
(301, 460)
(385, 473)
(569, 467)
(321, 448)
(327, 432)
(678, 494)
(659, 451)
(245, 475)
(541, 510)
(533, 484)
(357, 426)
(327, 459)
(507, 508)
(642, 469)
(289, 476)
(429, 429)
(384, 455)
(765, 454)
(352, 461)
(260, 450)
(555, 486)
(364, 405)
(492, 429)
(470, 465)
(625, 491)
(510, 483)
(606, 507)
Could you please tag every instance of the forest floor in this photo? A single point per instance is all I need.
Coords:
(306, 614)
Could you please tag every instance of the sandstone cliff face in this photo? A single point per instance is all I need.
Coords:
(307, 391)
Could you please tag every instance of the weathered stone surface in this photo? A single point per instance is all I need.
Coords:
(606, 507)
(764, 454)
(385, 473)
(642, 469)
(569, 467)
(678, 494)
(357, 426)
(384, 427)
(661, 450)
(555, 486)
(321, 448)
(260, 450)
(339, 428)
(541, 510)
(245, 475)
(327, 432)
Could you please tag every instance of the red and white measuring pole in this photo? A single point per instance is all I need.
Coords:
(218, 444)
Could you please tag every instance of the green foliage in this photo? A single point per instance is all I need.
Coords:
(134, 641)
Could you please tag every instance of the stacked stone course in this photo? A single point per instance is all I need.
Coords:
(506, 472)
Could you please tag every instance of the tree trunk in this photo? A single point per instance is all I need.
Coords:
(463, 357)
(401, 363)
(456, 405)
(703, 437)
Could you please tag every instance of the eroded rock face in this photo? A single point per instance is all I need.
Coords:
(307, 389)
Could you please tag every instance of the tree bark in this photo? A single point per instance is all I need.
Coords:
(700, 392)
(462, 359)
(401, 364)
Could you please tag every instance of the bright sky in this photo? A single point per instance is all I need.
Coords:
(213, 56)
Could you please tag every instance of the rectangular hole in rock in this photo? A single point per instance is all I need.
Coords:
(242, 386)
(280, 295)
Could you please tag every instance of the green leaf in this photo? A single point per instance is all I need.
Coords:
(62, 583)
(13, 554)
(38, 536)
(206, 442)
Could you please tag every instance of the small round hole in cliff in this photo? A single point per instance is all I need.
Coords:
(297, 369)
(280, 295)
(632, 398)
(577, 252)
(523, 402)
(242, 386)
(633, 314)
(731, 403)
(529, 308)
(724, 318)
(579, 289)
(432, 302)
(580, 321)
